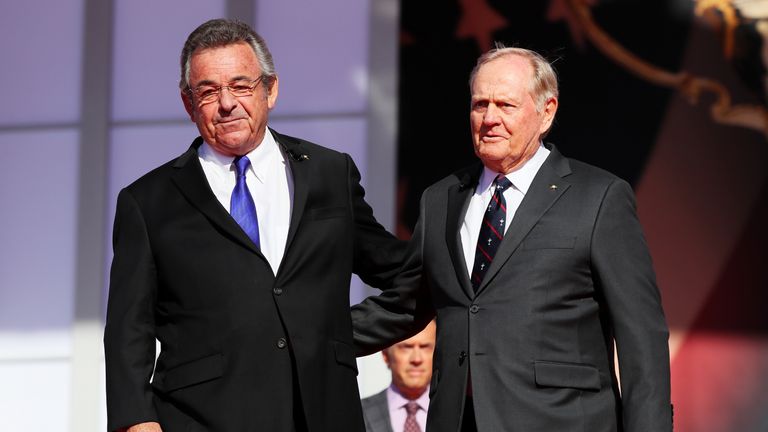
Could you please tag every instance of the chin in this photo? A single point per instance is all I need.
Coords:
(232, 140)
(492, 150)
(491, 157)
(231, 144)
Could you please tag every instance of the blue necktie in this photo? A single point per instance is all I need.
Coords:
(241, 205)
(491, 232)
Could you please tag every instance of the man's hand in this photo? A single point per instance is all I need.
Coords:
(143, 427)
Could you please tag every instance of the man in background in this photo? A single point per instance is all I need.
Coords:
(402, 407)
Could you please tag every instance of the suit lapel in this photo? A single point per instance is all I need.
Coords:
(300, 163)
(381, 405)
(459, 195)
(190, 179)
(547, 187)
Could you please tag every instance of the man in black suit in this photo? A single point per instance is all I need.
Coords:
(402, 407)
(237, 257)
(535, 265)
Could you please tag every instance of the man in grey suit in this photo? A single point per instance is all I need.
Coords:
(535, 265)
(402, 407)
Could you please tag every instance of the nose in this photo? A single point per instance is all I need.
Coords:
(227, 102)
(491, 115)
(417, 357)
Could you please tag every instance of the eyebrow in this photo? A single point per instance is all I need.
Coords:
(241, 77)
(202, 82)
(210, 82)
(501, 98)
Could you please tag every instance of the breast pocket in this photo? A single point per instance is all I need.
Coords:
(320, 213)
(549, 242)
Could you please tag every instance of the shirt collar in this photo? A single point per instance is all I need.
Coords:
(521, 178)
(260, 156)
(397, 400)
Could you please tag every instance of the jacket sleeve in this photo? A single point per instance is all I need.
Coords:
(402, 309)
(378, 255)
(625, 277)
(129, 335)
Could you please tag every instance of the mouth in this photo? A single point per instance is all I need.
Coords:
(227, 121)
(491, 138)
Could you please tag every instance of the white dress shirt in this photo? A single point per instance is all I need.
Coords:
(521, 180)
(270, 182)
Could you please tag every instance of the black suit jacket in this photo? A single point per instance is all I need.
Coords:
(572, 275)
(243, 349)
(376, 413)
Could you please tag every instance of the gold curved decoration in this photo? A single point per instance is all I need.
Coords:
(729, 16)
(693, 87)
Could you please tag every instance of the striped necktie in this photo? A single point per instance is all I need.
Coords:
(491, 232)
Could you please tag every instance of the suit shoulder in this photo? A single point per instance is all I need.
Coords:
(583, 172)
(376, 413)
(153, 178)
(296, 148)
(375, 400)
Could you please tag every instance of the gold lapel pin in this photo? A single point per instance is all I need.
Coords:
(553, 187)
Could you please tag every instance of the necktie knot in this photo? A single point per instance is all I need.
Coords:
(502, 183)
(241, 165)
(412, 407)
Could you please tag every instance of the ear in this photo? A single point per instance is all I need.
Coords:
(272, 91)
(548, 115)
(188, 105)
(385, 354)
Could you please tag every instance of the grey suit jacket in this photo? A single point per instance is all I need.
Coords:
(376, 413)
(572, 275)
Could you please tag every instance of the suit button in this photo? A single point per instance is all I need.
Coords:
(462, 356)
(277, 291)
(281, 343)
(474, 308)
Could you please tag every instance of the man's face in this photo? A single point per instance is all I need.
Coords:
(231, 125)
(505, 123)
(411, 362)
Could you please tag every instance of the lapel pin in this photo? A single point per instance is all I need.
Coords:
(553, 187)
(297, 157)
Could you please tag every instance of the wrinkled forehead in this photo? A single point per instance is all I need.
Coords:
(512, 72)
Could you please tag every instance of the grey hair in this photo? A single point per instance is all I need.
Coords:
(221, 32)
(544, 82)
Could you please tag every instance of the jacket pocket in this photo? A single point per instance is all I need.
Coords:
(194, 372)
(569, 375)
(549, 243)
(345, 355)
(319, 213)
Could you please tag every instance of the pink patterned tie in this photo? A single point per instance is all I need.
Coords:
(410, 424)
